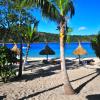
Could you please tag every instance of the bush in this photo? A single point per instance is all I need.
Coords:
(7, 58)
(96, 45)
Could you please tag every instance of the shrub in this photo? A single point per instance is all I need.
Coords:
(7, 58)
(96, 45)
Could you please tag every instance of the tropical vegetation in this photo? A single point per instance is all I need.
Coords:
(57, 10)
(95, 42)
(7, 58)
(15, 20)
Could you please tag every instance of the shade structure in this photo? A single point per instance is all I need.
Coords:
(15, 49)
(47, 51)
(79, 51)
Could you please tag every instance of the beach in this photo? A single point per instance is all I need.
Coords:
(45, 53)
(45, 83)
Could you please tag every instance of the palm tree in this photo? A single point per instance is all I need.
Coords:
(30, 36)
(6, 19)
(58, 10)
(13, 18)
(20, 7)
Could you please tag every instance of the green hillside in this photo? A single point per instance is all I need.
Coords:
(55, 37)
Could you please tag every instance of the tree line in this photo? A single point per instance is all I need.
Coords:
(49, 37)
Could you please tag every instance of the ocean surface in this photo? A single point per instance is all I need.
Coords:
(35, 48)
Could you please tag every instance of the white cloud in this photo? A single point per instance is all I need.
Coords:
(82, 28)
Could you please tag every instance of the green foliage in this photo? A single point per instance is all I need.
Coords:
(51, 37)
(30, 33)
(12, 14)
(7, 58)
(68, 34)
(96, 45)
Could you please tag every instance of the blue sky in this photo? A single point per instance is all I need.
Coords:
(86, 20)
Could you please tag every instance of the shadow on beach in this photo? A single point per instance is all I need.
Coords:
(78, 89)
(42, 70)
(89, 97)
(37, 93)
(2, 97)
(38, 73)
(93, 97)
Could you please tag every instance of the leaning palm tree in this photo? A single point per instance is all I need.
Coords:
(58, 10)
(30, 36)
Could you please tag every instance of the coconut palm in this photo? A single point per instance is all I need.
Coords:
(30, 36)
(20, 7)
(59, 11)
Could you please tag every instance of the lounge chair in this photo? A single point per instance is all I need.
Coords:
(89, 61)
(45, 62)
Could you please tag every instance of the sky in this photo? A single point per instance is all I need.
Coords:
(86, 20)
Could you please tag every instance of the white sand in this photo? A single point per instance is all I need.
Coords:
(45, 83)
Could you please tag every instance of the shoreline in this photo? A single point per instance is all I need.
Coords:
(50, 42)
(70, 58)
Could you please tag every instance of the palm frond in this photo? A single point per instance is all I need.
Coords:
(50, 11)
(71, 8)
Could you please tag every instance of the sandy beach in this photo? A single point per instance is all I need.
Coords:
(44, 82)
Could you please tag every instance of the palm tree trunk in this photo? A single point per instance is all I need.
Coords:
(20, 65)
(67, 86)
(28, 46)
(79, 59)
(27, 50)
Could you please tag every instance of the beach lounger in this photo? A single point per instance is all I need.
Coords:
(89, 62)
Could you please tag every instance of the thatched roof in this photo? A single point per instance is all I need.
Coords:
(47, 51)
(15, 49)
(80, 50)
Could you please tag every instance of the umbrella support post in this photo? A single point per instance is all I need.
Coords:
(79, 60)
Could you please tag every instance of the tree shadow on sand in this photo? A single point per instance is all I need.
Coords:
(41, 72)
(2, 97)
(37, 93)
(78, 89)
(82, 77)
(37, 74)
(93, 97)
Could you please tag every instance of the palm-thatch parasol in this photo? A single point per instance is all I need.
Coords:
(79, 51)
(15, 49)
(47, 51)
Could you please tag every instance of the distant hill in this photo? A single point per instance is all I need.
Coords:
(55, 37)
(43, 36)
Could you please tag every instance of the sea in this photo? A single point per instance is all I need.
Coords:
(35, 48)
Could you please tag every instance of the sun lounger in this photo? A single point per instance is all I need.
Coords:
(89, 61)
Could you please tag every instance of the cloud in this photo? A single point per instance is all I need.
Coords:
(82, 28)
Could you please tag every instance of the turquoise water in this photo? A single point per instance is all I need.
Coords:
(35, 48)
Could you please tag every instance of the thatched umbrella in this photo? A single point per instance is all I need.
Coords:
(79, 51)
(15, 49)
(47, 51)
